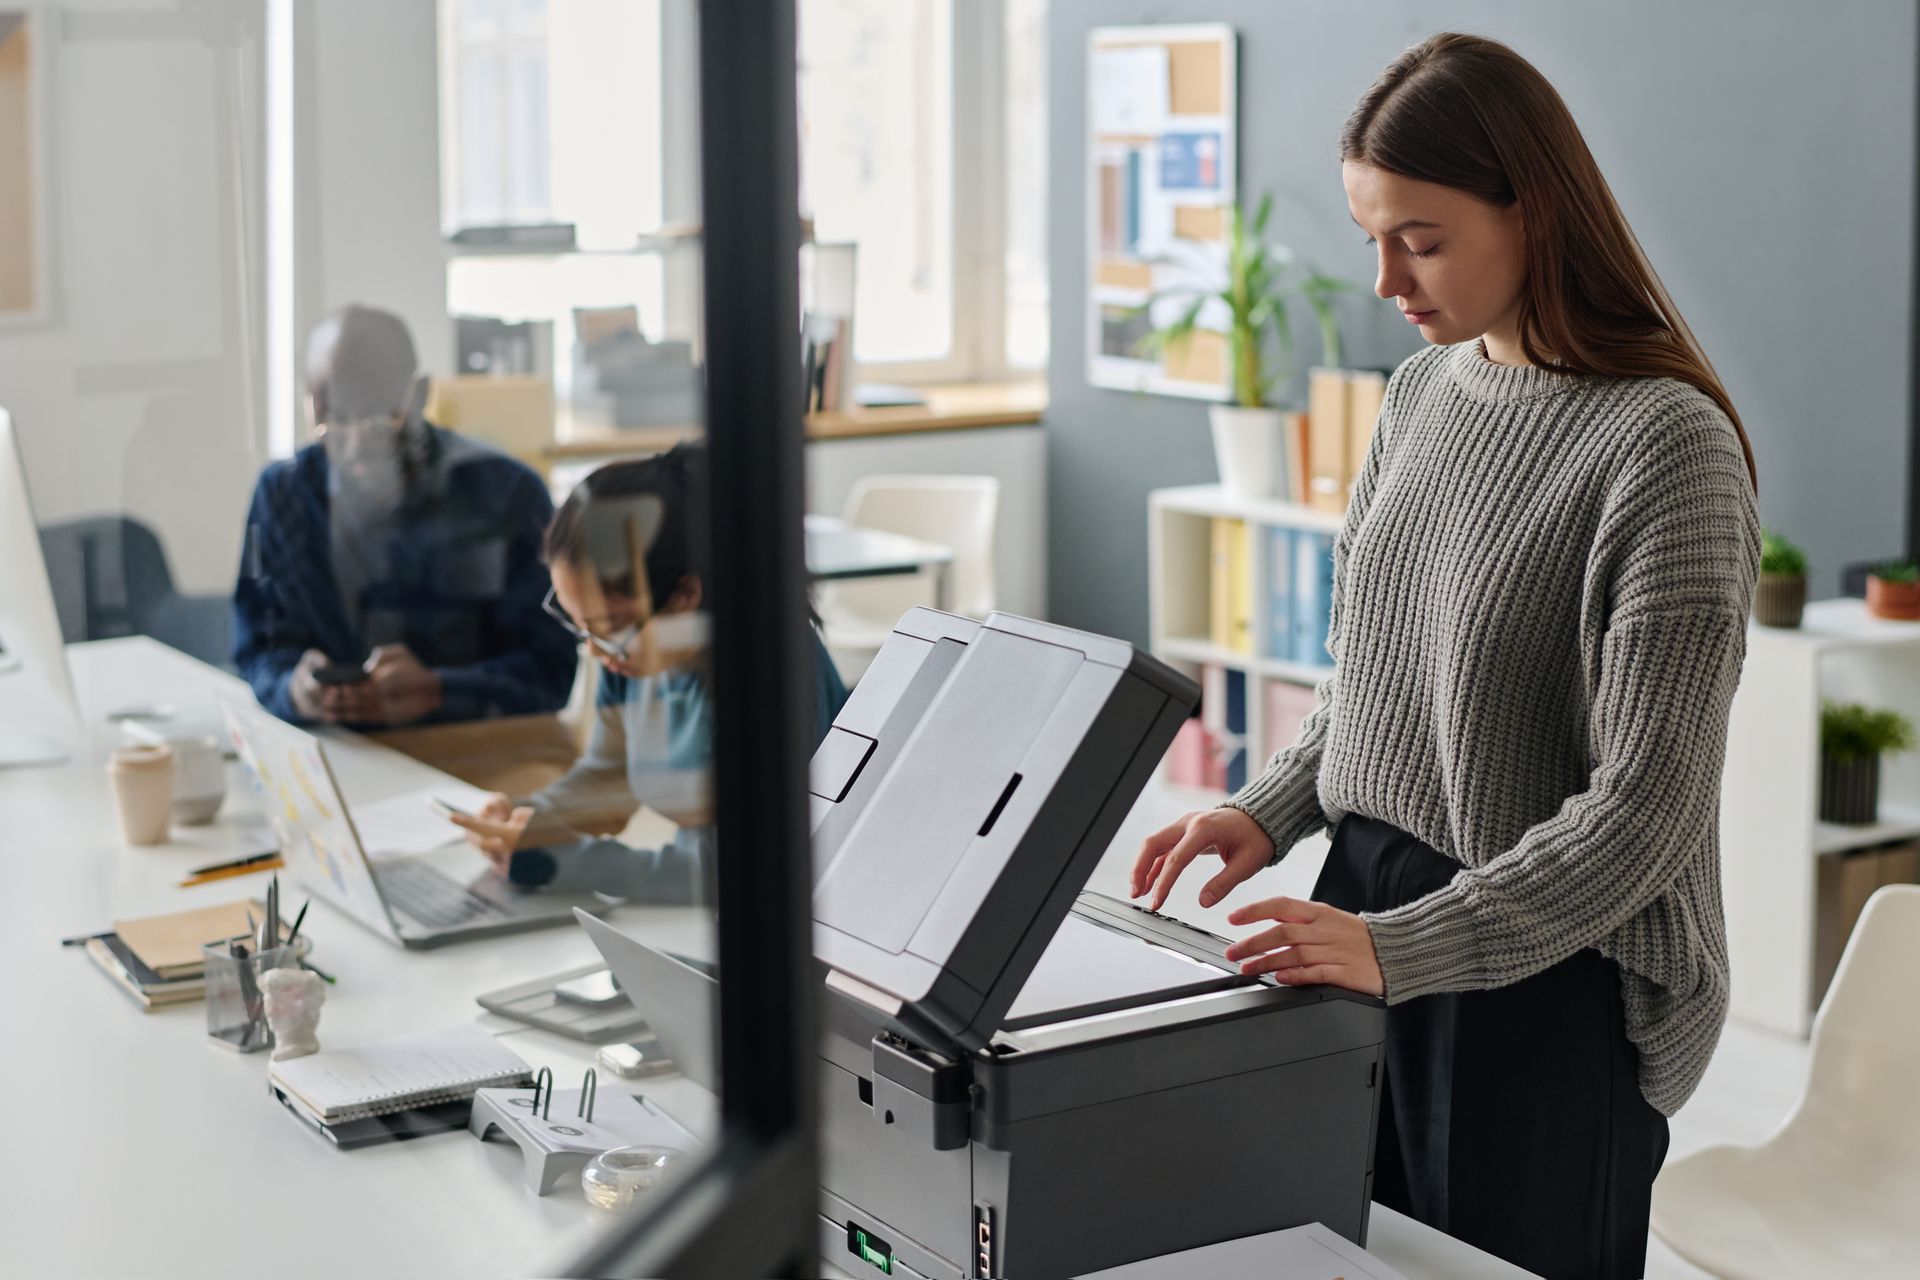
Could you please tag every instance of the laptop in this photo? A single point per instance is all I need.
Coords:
(418, 902)
(679, 998)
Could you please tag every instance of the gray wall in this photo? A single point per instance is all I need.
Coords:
(1763, 151)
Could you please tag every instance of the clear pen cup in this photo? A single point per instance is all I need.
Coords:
(236, 1009)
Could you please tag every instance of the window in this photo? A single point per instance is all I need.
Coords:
(1026, 205)
(922, 141)
(584, 144)
(499, 169)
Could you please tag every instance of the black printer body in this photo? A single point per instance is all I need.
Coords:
(1021, 1078)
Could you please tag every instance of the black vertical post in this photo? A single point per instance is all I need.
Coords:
(750, 219)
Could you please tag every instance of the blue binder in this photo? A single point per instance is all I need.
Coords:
(1278, 640)
(1237, 729)
(1312, 596)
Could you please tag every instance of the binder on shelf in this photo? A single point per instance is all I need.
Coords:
(1327, 406)
(1277, 642)
(1287, 707)
(1223, 711)
(1312, 596)
(1299, 434)
(1240, 588)
(1230, 597)
(1366, 391)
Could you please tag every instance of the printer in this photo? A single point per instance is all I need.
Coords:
(1021, 1078)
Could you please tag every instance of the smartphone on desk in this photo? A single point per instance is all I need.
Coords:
(335, 673)
(448, 809)
(596, 989)
(637, 1060)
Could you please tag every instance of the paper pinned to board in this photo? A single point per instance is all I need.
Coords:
(1131, 89)
(1311, 1252)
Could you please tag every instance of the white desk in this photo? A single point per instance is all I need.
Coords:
(134, 1148)
(839, 552)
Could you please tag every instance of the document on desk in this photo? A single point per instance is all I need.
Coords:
(1311, 1252)
(405, 825)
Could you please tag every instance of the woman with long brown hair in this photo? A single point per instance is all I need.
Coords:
(1541, 589)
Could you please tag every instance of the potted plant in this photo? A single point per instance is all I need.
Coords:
(1852, 740)
(1893, 590)
(1253, 287)
(1782, 593)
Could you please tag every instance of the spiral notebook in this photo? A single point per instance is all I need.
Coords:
(401, 1074)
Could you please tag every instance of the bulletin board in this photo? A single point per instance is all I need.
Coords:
(1162, 108)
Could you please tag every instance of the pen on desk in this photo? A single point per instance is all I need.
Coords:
(252, 868)
(80, 940)
(317, 972)
(251, 859)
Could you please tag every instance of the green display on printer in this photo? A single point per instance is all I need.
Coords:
(873, 1249)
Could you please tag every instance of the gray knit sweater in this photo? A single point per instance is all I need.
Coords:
(1539, 615)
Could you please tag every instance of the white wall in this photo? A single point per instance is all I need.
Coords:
(145, 390)
(134, 394)
(367, 167)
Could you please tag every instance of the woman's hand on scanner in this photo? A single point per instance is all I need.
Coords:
(1228, 834)
(497, 829)
(1312, 943)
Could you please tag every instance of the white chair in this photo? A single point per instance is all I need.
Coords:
(1836, 1190)
(959, 512)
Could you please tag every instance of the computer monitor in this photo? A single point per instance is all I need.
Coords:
(39, 715)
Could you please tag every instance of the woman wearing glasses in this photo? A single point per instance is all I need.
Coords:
(628, 584)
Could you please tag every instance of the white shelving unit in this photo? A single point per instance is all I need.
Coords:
(1770, 833)
(1179, 584)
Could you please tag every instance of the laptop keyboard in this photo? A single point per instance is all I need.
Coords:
(433, 897)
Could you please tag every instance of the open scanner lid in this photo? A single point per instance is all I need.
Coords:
(962, 798)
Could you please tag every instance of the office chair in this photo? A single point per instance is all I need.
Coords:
(1833, 1191)
(111, 578)
(958, 512)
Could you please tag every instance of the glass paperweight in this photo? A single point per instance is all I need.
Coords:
(613, 1179)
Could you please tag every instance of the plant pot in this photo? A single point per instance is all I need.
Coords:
(1849, 789)
(1893, 599)
(1779, 599)
(1247, 449)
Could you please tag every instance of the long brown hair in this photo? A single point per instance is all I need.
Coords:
(1469, 113)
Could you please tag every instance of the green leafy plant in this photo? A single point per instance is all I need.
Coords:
(1852, 731)
(1258, 280)
(1897, 571)
(1779, 556)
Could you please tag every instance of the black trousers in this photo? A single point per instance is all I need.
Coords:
(1512, 1118)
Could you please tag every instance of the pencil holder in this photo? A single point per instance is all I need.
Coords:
(236, 1009)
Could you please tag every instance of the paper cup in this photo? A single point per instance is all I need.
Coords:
(142, 780)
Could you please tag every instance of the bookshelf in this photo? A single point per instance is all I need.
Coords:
(1772, 843)
(1181, 591)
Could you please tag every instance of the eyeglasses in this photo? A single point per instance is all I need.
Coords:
(613, 647)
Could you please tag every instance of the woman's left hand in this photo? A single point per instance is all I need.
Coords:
(1312, 943)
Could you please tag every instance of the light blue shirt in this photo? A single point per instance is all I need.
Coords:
(651, 744)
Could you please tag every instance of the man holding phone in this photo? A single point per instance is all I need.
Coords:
(391, 573)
